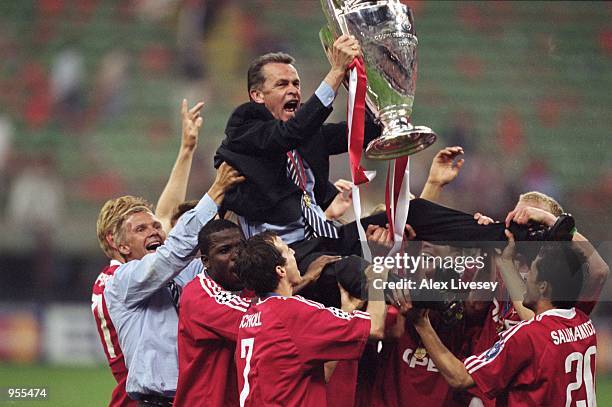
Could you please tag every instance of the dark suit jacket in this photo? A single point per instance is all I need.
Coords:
(256, 144)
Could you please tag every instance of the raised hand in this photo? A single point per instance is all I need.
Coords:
(444, 168)
(349, 303)
(342, 53)
(379, 240)
(525, 214)
(191, 123)
(342, 201)
(314, 271)
(227, 177)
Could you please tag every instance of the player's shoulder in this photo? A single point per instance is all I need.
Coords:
(522, 333)
(539, 330)
(107, 272)
(296, 303)
(304, 302)
(286, 307)
(204, 289)
(562, 316)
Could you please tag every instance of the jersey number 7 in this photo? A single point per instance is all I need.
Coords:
(246, 351)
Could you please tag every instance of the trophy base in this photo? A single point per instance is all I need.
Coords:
(400, 142)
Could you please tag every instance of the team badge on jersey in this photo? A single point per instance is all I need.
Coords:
(495, 349)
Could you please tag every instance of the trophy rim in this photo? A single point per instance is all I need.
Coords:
(404, 143)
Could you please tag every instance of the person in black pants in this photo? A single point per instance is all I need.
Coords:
(282, 147)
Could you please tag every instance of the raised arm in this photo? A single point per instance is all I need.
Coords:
(176, 188)
(444, 169)
(512, 278)
(597, 269)
(344, 50)
(451, 368)
(137, 280)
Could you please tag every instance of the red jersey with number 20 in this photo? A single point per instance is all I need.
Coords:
(546, 361)
(282, 345)
(108, 336)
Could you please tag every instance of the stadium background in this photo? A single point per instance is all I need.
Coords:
(89, 98)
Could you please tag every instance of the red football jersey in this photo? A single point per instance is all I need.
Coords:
(546, 361)
(108, 336)
(208, 325)
(501, 316)
(342, 384)
(352, 383)
(282, 345)
(407, 377)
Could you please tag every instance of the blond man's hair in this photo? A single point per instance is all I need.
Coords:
(537, 197)
(112, 216)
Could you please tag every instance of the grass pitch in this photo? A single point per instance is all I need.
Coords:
(92, 386)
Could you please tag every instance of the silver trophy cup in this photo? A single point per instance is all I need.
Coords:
(388, 41)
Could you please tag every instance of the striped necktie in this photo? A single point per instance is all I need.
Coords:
(175, 293)
(315, 225)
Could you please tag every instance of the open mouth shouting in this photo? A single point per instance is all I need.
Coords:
(291, 106)
(153, 244)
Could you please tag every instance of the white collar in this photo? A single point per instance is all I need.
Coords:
(114, 262)
(559, 312)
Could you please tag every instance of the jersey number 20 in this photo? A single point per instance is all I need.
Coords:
(584, 374)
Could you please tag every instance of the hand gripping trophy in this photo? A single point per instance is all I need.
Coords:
(386, 33)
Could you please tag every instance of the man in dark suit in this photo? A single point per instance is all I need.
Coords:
(260, 133)
(282, 147)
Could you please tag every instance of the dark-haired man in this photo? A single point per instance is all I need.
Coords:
(208, 322)
(284, 340)
(211, 309)
(283, 147)
(275, 129)
(547, 360)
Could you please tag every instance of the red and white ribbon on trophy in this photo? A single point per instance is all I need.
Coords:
(397, 196)
(397, 199)
(356, 125)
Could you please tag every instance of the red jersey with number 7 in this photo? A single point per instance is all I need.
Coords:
(282, 345)
(546, 361)
(108, 336)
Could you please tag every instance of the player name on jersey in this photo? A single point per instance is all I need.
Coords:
(251, 321)
(573, 334)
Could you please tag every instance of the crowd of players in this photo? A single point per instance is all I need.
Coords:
(198, 304)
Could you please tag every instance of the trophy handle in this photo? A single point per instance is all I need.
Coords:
(327, 40)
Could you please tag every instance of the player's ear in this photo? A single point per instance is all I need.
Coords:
(124, 250)
(256, 95)
(280, 271)
(204, 259)
(111, 242)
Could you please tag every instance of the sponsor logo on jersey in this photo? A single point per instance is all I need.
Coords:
(409, 358)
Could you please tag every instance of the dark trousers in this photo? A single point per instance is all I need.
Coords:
(430, 221)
